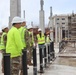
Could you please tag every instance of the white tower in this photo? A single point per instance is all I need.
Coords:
(15, 10)
(41, 16)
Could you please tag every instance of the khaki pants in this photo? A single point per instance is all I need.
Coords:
(15, 65)
(2, 62)
(29, 54)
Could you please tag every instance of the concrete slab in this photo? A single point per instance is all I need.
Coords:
(67, 55)
(61, 65)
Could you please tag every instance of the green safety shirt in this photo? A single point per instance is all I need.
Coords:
(2, 45)
(14, 43)
(41, 40)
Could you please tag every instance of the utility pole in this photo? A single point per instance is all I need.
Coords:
(15, 10)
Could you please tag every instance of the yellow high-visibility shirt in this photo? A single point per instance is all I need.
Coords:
(14, 43)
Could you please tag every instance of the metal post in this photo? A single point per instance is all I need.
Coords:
(41, 61)
(34, 61)
(45, 58)
(51, 50)
(6, 58)
(48, 53)
(24, 62)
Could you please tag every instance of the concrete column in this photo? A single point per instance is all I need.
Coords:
(51, 29)
(59, 34)
(56, 35)
(24, 14)
(41, 17)
(15, 10)
(42, 22)
(51, 25)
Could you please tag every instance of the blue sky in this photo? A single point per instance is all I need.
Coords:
(32, 8)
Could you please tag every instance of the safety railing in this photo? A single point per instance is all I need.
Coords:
(49, 55)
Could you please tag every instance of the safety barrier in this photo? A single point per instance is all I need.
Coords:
(44, 60)
(24, 62)
(48, 53)
(6, 63)
(48, 56)
(34, 61)
(41, 60)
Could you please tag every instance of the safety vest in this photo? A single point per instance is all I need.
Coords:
(41, 40)
(47, 39)
(31, 38)
(22, 31)
(2, 45)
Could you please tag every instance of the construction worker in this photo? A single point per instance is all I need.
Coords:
(24, 34)
(3, 38)
(24, 38)
(48, 39)
(3, 43)
(14, 45)
(30, 48)
(41, 40)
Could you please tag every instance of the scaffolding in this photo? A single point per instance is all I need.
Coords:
(72, 27)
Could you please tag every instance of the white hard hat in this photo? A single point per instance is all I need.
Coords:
(3, 27)
(17, 20)
(39, 29)
(29, 26)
